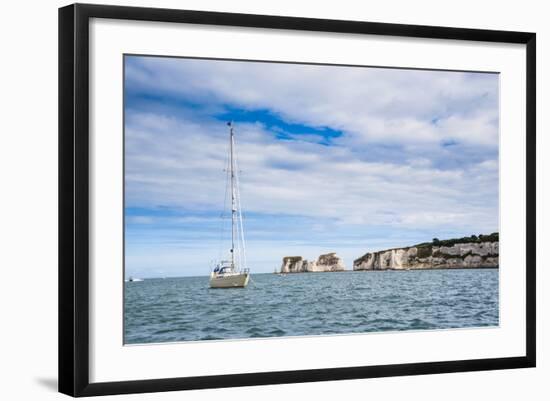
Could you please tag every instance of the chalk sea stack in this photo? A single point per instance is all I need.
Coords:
(329, 262)
(461, 253)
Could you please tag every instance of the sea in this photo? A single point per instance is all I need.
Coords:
(308, 304)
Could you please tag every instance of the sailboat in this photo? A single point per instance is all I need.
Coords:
(233, 273)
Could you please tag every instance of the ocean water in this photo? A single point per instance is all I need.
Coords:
(186, 309)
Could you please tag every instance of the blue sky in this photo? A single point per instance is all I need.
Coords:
(333, 159)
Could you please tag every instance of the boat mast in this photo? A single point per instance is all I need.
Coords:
(233, 197)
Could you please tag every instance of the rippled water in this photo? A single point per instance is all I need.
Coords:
(183, 309)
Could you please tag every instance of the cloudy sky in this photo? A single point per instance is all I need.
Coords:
(333, 159)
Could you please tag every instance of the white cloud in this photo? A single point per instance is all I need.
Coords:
(180, 164)
(368, 104)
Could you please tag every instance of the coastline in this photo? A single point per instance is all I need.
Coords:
(396, 270)
(475, 251)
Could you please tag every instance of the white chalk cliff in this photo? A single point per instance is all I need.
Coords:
(430, 256)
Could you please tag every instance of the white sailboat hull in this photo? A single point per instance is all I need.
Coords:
(229, 280)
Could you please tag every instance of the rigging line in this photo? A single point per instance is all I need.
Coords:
(239, 223)
(245, 264)
(242, 233)
(233, 198)
(237, 172)
(223, 224)
(239, 208)
(236, 202)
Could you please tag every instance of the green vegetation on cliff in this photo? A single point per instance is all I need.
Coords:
(464, 240)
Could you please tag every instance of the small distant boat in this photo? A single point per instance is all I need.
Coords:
(279, 273)
(132, 279)
(233, 273)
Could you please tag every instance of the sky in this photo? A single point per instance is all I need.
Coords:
(331, 158)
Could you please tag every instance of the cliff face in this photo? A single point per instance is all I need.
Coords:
(329, 262)
(460, 255)
(293, 264)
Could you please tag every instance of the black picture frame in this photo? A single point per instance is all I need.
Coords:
(74, 198)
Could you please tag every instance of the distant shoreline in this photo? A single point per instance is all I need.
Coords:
(397, 270)
(341, 271)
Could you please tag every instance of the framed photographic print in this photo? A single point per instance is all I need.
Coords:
(251, 199)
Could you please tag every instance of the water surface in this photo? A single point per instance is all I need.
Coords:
(186, 309)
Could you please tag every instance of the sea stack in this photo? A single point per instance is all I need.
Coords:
(329, 262)
(293, 264)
